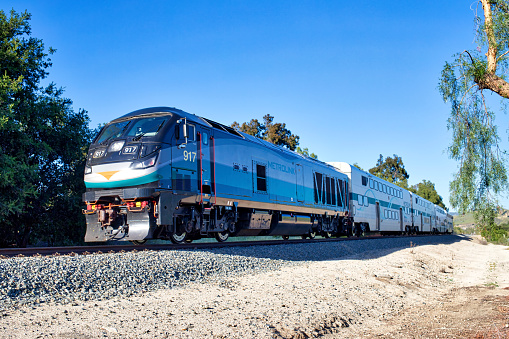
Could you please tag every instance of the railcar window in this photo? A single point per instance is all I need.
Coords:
(261, 178)
(360, 200)
(341, 192)
(317, 183)
(371, 183)
(384, 188)
(364, 181)
(366, 201)
(328, 190)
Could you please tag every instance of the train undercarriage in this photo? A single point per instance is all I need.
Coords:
(133, 215)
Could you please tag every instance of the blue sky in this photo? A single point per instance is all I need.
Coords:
(353, 79)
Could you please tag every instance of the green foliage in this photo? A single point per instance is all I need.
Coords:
(482, 172)
(358, 166)
(304, 151)
(43, 144)
(273, 132)
(391, 170)
(485, 222)
(426, 189)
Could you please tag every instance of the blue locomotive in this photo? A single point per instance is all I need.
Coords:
(162, 173)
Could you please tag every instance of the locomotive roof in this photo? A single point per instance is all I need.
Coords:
(152, 110)
(196, 119)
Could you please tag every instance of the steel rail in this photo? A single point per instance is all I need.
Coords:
(98, 249)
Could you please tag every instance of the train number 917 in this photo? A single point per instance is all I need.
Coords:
(189, 156)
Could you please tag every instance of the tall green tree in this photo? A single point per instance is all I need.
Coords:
(426, 189)
(391, 169)
(464, 84)
(274, 132)
(42, 144)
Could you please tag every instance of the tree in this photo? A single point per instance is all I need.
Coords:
(358, 166)
(464, 83)
(43, 144)
(426, 189)
(392, 170)
(276, 133)
(305, 151)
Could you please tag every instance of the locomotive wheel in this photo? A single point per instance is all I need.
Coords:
(312, 235)
(286, 237)
(327, 235)
(178, 238)
(222, 236)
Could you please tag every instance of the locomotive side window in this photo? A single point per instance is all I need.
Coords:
(205, 137)
(371, 183)
(261, 178)
(317, 185)
(360, 199)
(333, 190)
(191, 133)
(364, 181)
(366, 201)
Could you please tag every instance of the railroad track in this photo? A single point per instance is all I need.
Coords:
(97, 249)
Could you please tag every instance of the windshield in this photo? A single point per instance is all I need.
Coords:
(135, 128)
(113, 131)
(147, 127)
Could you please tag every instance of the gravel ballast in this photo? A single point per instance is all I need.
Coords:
(68, 279)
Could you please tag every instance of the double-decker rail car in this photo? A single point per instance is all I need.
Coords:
(449, 223)
(440, 219)
(164, 173)
(424, 214)
(376, 204)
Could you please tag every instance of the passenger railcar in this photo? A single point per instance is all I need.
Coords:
(424, 214)
(376, 204)
(164, 173)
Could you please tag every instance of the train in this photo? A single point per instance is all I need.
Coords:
(162, 173)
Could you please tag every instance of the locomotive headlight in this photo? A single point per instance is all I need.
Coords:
(145, 163)
(116, 146)
(88, 170)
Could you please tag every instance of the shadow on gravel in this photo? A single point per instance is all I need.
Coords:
(357, 249)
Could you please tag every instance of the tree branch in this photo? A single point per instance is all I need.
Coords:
(494, 83)
(491, 55)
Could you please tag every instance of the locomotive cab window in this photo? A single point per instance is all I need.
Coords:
(364, 181)
(191, 132)
(147, 127)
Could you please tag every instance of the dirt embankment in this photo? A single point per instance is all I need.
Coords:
(445, 291)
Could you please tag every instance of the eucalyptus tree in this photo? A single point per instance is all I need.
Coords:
(464, 84)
